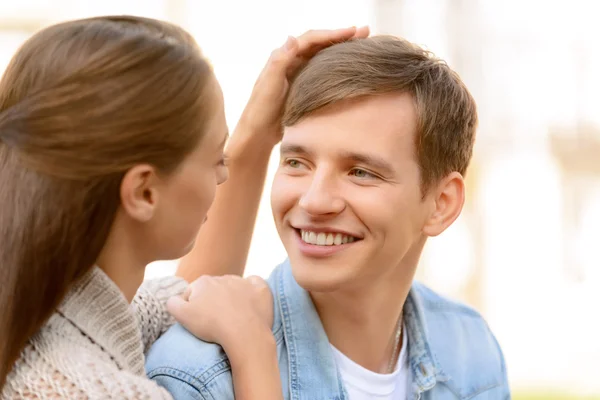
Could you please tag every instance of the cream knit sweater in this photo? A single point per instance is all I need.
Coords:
(93, 346)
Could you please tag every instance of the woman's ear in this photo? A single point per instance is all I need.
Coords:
(139, 192)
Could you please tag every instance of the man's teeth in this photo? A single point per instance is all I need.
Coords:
(325, 239)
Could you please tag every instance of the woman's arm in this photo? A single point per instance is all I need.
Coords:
(255, 369)
(149, 306)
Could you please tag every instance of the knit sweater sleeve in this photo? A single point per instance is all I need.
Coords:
(149, 305)
(105, 385)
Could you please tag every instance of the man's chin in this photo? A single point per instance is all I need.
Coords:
(319, 276)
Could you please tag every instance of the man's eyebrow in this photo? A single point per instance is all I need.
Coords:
(371, 160)
(290, 148)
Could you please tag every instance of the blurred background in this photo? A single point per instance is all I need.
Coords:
(526, 250)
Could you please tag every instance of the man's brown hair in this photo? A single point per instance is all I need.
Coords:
(446, 111)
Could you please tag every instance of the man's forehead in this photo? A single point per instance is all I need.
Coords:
(393, 112)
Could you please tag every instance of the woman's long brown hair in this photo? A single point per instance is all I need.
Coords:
(80, 104)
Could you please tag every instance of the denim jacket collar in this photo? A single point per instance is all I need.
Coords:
(309, 349)
(425, 369)
(307, 343)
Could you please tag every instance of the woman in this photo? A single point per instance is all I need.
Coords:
(111, 148)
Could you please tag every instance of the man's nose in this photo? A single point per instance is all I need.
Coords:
(321, 196)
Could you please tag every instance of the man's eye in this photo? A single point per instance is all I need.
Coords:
(361, 173)
(292, 163)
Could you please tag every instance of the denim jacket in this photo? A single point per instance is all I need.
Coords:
(451, 351)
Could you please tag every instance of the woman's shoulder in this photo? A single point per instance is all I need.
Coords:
(60, 362)
(55, 362)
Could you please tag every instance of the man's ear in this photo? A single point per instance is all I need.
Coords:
(449, 198)
(139, 192)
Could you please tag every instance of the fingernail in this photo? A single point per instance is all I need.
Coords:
(288, 44)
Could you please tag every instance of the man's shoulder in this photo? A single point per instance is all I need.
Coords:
(462, 341)
(189, 368)
(436, 303)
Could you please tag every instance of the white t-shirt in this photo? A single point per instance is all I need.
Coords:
(362, 384)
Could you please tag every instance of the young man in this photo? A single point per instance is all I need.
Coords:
(378, 136)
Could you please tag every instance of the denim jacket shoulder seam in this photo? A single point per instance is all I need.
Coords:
(198, 383)
(434, 302)
(168, 373)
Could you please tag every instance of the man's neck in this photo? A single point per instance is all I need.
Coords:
(361, 323)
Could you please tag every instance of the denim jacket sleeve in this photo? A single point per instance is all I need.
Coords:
(189, 368)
